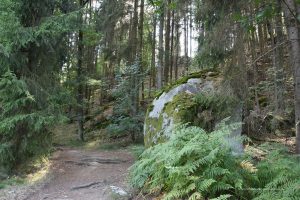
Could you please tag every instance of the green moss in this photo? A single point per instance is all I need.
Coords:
(150, 108)
(179, 109)
(200, 74)
(153, 127)
(202, 110)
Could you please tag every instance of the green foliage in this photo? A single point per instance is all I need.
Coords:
(279, 175)
(23, 127)
(197, 165)
(11, 181)
(193, 165)
(136, 150)
(221, 105)
(123, 126)
(210, 109)
(126, 120)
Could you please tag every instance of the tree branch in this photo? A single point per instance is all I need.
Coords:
(257, 59)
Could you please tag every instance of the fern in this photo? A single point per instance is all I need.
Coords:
(196, 165)
(192, 165)
(279, 175)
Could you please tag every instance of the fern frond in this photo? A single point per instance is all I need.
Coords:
(196, 196)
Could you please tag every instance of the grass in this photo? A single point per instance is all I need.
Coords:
(136, 150)
(11, 182)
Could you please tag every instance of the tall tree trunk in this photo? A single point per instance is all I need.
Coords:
(191, 30)
(132, 43)
(172, 45)
(153, 60)
(289, 8)
(260, 33)
(160, 47)
(278, 60)
(80, 109)
(141, 46)
(253, 54)
(186, 45)
(167, 43)
(177, 46)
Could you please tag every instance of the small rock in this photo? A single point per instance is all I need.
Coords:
(118, 193)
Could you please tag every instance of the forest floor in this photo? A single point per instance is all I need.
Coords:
(77, 174)
(77, 171)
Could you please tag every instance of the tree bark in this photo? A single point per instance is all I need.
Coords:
(177, 46)
(160, 47)
(141, 46)
(133, 44)
(289, 8)
(172, 45)
(186, 45)
(278, 61)
(153, 60)
(80, 95)
(167, 44)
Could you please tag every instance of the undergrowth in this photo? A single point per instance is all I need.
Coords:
(196, 165)
(193, 165)
(10, 182)
(278, 174)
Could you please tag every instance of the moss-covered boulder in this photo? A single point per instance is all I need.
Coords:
(198, 100)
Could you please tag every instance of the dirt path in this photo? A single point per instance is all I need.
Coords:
(82, 175)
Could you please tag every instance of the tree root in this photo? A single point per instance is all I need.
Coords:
(86, 186)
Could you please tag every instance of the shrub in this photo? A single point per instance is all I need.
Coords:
(23, 126)
(124, 126)
(127, 120)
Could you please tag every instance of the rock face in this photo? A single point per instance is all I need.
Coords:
(179, 105)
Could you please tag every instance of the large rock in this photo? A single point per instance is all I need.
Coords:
(194, 100)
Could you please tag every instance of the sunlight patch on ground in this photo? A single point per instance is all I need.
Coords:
(40, 174)
(39, 169)
(93, 144)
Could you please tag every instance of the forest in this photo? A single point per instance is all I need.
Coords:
(150, 99)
